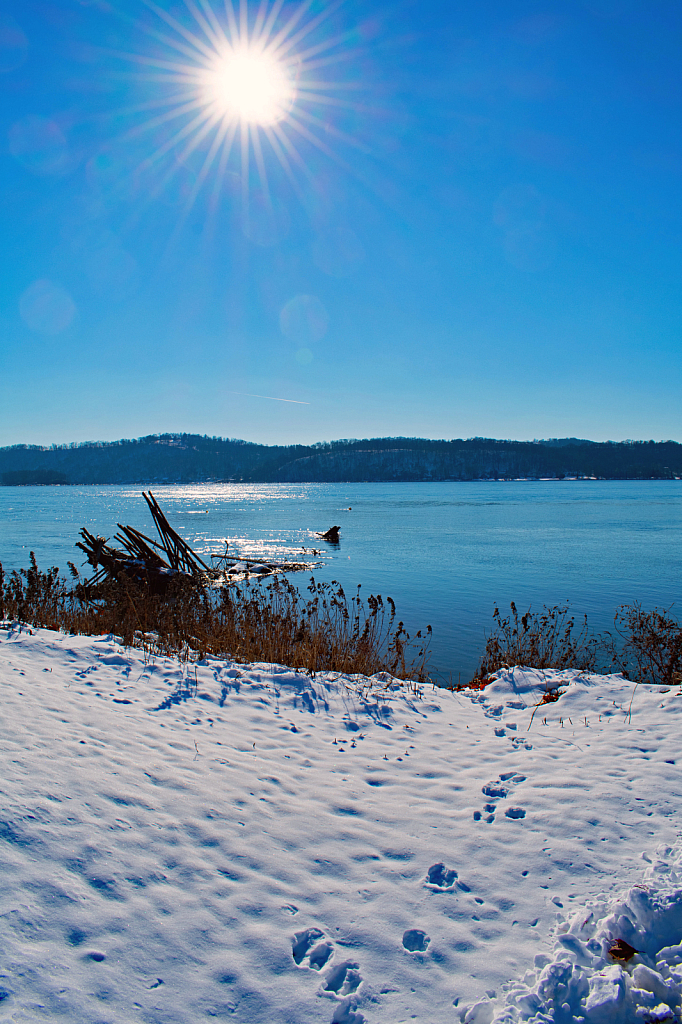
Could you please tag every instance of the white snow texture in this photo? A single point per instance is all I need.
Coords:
(190, 842)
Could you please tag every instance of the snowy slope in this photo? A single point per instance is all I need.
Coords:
(185, 843)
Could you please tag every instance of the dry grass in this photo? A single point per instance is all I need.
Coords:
(323, 631)
(546, 639)
(645, 645)
(326, 631)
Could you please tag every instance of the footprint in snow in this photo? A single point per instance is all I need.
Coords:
(508, 730)
(306, 947)
(312, 949)
(415, 940)
(345, 1013)
(440, 879)
(499, 789)
(344, 979)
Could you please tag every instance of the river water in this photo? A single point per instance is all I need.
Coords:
(445, 552)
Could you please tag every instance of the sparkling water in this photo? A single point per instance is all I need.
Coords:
(445, 552)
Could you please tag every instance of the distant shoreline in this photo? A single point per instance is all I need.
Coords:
(480, 480)
(192, 458)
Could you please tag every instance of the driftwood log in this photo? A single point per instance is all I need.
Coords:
(156, 564)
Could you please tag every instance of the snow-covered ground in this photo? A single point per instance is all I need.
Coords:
(181, 843)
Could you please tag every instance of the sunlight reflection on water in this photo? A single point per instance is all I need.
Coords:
(445, 552)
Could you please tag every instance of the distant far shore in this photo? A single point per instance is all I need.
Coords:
(145, 483)
(193, 458)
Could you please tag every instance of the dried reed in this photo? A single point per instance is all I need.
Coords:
(543, 639)
(324, 631)
(646, 646)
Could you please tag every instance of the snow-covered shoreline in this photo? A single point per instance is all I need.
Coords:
(581, 981)
(219, 841)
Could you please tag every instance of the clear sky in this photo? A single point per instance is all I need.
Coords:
(418, 218)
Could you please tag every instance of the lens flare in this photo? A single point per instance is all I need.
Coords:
(47, 308)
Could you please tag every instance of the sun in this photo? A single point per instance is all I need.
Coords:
(249, 88)
(250, 85)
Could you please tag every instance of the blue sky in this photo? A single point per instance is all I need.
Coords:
(477, 229)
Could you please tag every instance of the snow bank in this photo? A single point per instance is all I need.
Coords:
(181, 843)
(581, 982)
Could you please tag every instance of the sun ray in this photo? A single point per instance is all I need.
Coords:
(245, 166)
(222, 82)
(154, 62)
(189, 81)
(282, 146)
(172, 171)
(155, 104)
(173, 44)
(275, 43)
(272, 17)
(160, 186)
(162, 119)
(231, 20)
(331, 130)
(260, 164)
(309, 27)
(169, 144)
(325, 62)
(197, 43)
(147, 164)
(243, 23)
(335, 101)
(217, 27)
(218, 141)
(319, 144)
(270, 134)
(260, 18)
(203, 23)
(319, 86)
(198, 137)
(169, 41)
(227, 144)
(327, 44)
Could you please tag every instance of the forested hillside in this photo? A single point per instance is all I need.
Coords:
(186, 458)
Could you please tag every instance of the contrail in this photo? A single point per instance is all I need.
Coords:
(245, 394)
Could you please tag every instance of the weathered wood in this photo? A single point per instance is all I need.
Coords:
(155, 564)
